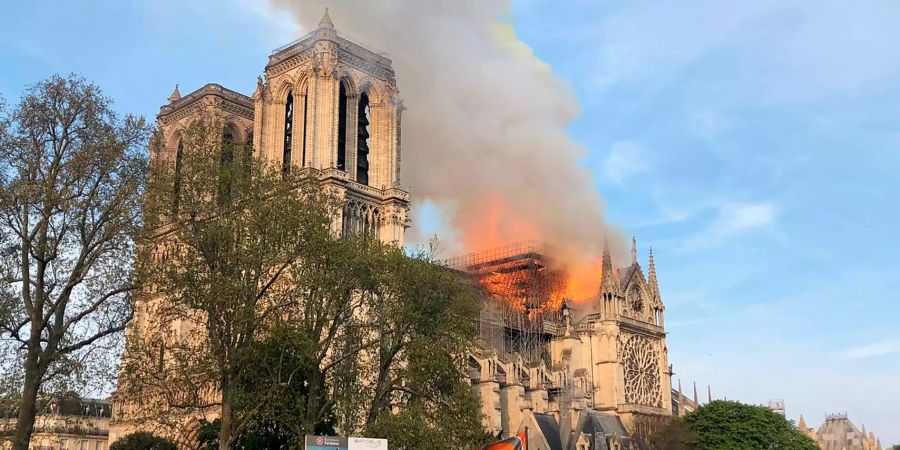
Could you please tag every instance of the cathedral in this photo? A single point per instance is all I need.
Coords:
(577, 376)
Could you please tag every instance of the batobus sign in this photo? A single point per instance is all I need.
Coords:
(341, 443)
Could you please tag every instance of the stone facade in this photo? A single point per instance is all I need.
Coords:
(602, 376)
(68, 424)
(327, 108)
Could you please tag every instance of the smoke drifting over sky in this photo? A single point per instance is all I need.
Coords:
(485, 134)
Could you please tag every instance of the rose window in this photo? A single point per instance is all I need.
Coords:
(641, 366)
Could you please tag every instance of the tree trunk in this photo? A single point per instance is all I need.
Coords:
(226, 428)
(28, 406)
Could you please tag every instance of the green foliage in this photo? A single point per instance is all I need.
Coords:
(454, 422)
(290, 320)
(72, 178)
(728, 425)
(142, 441)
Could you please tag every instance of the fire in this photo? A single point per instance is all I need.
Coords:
(496, 224)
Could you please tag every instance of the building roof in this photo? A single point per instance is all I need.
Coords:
(210, 89)
(70, 406)
(839, 433)
(550, 430)
(595, 423)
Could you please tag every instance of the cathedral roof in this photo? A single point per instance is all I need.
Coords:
(626, 273)
(550, 429)
(595, 423)
(210, 89)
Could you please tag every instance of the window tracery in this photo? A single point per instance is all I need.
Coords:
(635, 300)
(640, 361)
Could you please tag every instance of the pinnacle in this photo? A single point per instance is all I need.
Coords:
(326, 21)
(176, 95)
(633, 250)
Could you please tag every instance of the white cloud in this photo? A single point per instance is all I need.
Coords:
(625, 160)
(735, 218)
(870, 350)
(781, 50)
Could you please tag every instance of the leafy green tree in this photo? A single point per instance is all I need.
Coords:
(279, 322)
(71, 183)
(225, 232)
(454, 422)
(722, 425)
(142, 441)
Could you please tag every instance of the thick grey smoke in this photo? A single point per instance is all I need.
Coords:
(485, 134)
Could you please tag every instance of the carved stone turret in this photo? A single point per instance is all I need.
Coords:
(176, 95)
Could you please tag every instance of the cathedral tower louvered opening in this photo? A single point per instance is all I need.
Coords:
(342, 128)
(288, 131)
(362, 143)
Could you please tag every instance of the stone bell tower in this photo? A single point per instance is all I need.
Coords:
(330, 107)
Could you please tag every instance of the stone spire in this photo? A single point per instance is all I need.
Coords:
(326, 21)
(609, 282)
(802, 424)
(176, 95)
(680, 399)
(651, 268)
(633, 250)
(696, 400)
(708, 394)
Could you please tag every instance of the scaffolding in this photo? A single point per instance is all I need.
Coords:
(523, 295)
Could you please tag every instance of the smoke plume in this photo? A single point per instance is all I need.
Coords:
(485, 133)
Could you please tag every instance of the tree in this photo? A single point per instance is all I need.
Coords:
(732, 425)
(71, 183)
(259, 313)
(228, 231)
(142, 441)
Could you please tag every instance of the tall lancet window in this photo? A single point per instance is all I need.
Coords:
(247, 157)
(305, 114)
(179, 157)
(362, 143)
(226, 165)
(342, 129)
(288, 131)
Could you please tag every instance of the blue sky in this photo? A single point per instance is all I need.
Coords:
(754, 145)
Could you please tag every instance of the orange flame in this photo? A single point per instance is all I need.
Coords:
(496, 225)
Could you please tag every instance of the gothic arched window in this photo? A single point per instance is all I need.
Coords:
(226, 164)
(247, 159)
(342, 128)
(637, 303)
(179, 157)
(305, 114)
(288, 131)
(362, 143)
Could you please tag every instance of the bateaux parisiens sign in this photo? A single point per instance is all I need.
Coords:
(342, 443)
